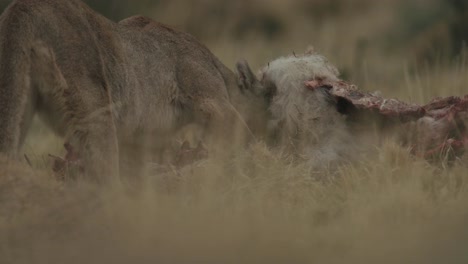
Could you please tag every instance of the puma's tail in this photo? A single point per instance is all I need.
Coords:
(15, 84)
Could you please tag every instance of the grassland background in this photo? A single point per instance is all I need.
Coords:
(259, 207)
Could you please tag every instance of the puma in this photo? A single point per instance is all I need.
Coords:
(104, 86)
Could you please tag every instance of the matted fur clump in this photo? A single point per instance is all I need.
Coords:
(304, 122)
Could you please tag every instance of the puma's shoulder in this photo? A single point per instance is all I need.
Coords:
(144, 23)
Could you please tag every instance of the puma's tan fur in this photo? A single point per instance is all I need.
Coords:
(103, 85)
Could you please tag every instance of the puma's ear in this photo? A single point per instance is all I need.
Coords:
(246, 78)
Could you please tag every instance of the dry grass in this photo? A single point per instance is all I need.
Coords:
(258, 207)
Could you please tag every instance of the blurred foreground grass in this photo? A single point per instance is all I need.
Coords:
(257, 208)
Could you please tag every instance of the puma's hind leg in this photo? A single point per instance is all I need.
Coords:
(88, 128)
